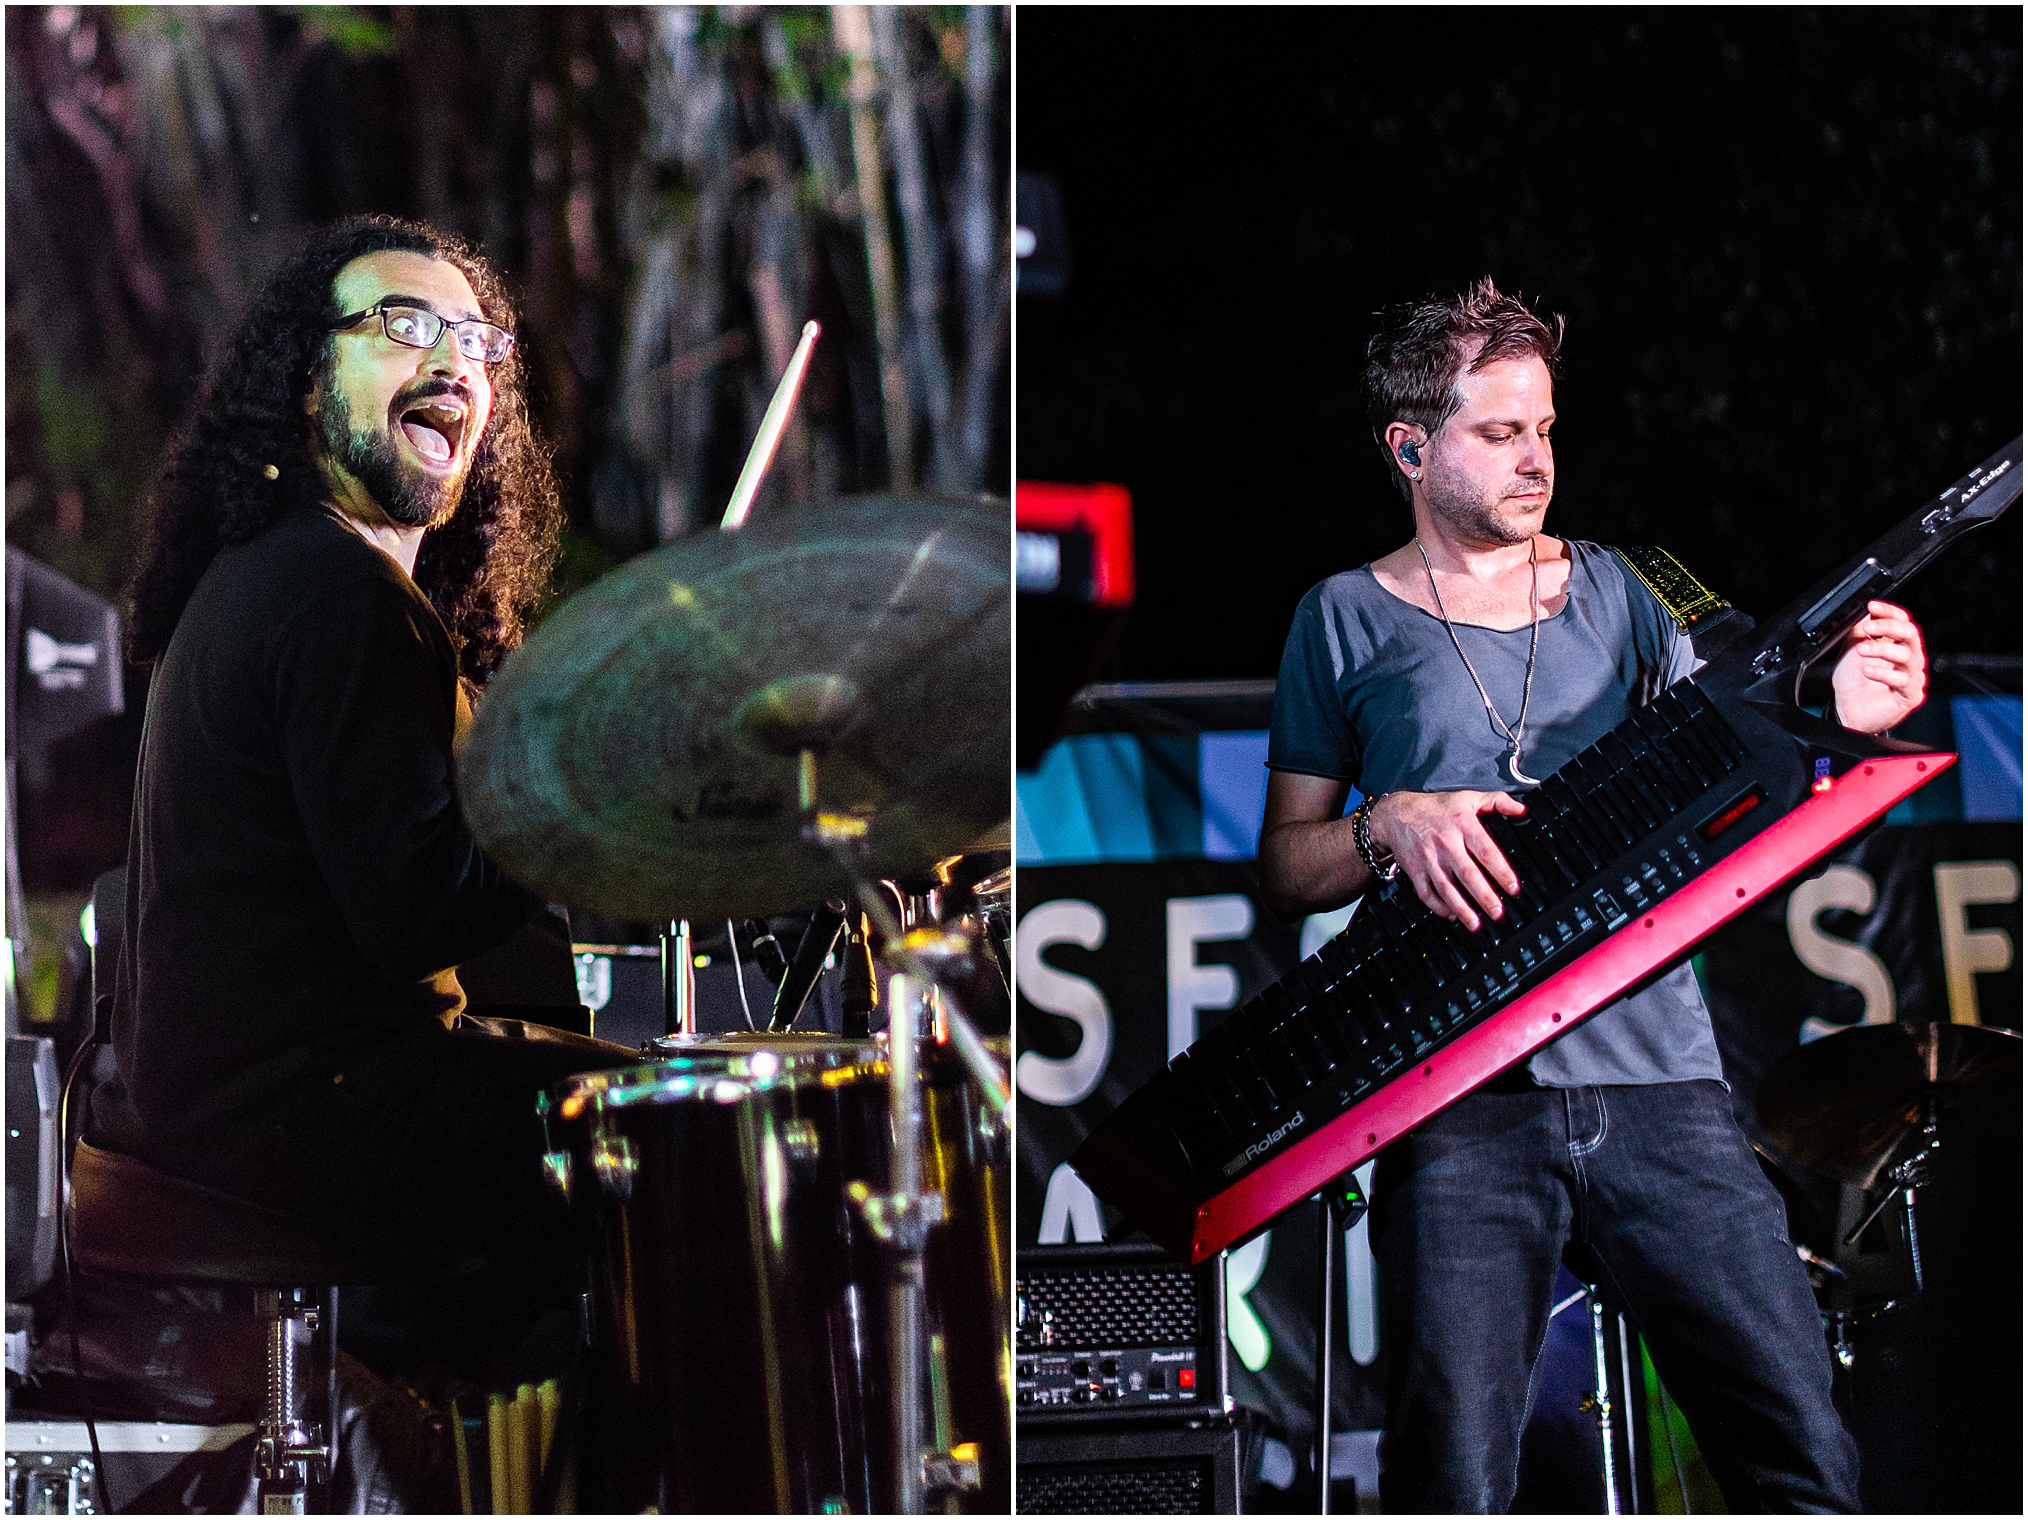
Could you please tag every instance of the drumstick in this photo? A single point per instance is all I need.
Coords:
(773, 423)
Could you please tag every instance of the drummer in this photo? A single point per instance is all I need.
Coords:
(342, 548)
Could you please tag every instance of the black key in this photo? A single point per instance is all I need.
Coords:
(1367, 1012)
(1195, 1115)
(1339, 1032)
(1694, 759)
(1235, 1092)
(1643, 806)
(1407, 925)
(1691, 739)
(1712, 727)
(1254, 1085)
(1613, 803)
(1506, 836)
(1279, 1001)
(1316, 1059)
(1584, 836)
(1303, 985)
(1668, 718)
(1600, 808)
(1686, 778)
(1661, 784)
(1552, 848)
(1653, 771)
(1271, 1054)
(1386, 977)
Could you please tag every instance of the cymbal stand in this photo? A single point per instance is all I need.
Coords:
(903, 1216)
(1904, 1179)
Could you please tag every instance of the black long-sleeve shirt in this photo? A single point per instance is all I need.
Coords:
(299, 879)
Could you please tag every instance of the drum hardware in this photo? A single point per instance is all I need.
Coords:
(766, 951)
(860, 988)
(903, 1219)
(1903, 1179)
(679, 978)
(796, 984)
(1845, 1106)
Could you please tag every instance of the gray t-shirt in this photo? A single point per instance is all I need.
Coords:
(1373, 692)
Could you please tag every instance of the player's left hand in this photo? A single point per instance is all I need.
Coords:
(1881, 673)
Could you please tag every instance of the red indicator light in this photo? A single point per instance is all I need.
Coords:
(1186, 1377)
(1821, 784)
(1736, 810)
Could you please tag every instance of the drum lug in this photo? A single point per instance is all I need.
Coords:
(957, 1468)
(896, 1220)
(614, 1163)
(799, 1139)
(556, 1167)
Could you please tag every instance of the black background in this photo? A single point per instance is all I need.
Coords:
(1787, 243)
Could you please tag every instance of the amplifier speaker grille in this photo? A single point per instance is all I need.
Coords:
(1181, 1487)
(1155, 1306)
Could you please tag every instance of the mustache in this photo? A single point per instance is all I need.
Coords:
(423, 390)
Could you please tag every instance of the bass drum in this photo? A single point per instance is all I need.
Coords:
(741, 1318)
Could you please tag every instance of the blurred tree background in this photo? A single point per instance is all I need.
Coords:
(670, 193)
(1787, 240)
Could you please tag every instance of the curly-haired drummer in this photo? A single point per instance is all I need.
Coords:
(343, 546)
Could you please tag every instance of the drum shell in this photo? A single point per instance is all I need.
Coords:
(741, 1303)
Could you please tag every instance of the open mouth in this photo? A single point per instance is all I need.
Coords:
(434, 428)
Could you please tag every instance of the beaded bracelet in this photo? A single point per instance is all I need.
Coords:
(1362, 840)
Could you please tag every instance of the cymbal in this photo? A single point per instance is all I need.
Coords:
(1843, 1105)
(638, 755)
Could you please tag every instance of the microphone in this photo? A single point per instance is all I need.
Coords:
(862, 986)
(766, 949)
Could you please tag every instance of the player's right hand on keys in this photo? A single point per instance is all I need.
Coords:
(1451, 860)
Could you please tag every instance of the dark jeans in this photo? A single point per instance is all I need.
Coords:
(1470, 1216)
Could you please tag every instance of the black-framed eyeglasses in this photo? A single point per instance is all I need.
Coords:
(419, 327)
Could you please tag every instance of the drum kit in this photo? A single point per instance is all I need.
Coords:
(801, 1253)
(1879, 1107)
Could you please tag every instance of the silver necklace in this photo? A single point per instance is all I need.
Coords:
(1527, 681)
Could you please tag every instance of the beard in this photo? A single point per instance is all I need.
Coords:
(408, 495)
(1458, 504)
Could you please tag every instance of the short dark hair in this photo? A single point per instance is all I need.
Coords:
(1414, 362)
(484, 571)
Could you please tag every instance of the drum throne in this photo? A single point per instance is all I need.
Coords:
(128, 1221)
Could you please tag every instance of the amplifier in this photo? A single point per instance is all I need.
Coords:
(1117, 1332)
(1178, 1468)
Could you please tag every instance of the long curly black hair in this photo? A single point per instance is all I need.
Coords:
(484, 571)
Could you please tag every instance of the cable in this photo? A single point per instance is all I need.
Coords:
(77, 1062)
(739, 976)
